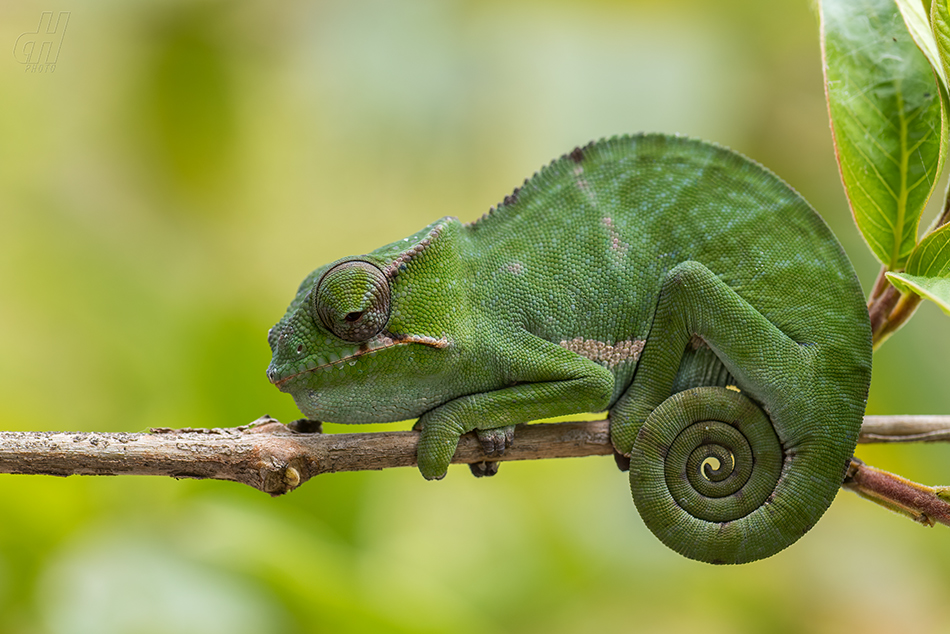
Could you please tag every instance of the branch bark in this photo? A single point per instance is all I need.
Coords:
(921, 503)
(905, 429)
(267, 455)
(275, 458)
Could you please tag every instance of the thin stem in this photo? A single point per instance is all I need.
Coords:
(888, 309)
(880, 285)
(879, 310)
(921, 503)
(889, 429)
(902, 309)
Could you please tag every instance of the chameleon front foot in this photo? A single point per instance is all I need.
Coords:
(438, 440)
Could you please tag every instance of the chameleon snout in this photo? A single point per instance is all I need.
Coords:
(286, 353)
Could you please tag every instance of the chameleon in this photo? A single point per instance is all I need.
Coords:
(676, 284)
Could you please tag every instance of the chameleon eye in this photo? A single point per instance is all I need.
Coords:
(352, 301)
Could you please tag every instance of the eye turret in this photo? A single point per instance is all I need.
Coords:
(352, 301)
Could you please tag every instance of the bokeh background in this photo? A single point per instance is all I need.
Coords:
(163, 192)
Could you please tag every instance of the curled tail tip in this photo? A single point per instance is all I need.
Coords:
(711, 480)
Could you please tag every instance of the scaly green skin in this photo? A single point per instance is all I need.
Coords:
(641, 275)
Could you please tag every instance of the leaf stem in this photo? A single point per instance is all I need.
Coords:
(889, 312)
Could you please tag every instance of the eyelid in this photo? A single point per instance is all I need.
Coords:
(352, 300)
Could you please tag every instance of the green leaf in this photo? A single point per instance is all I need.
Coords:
(932, 256)
(915, 17)
(928, 269)
(940, 20)
(936, 289)
(887, 121)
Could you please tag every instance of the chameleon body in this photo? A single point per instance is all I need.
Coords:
(675, 283)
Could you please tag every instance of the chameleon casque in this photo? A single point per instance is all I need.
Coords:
(675, 283)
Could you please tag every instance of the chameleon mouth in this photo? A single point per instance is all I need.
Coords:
(380, 342)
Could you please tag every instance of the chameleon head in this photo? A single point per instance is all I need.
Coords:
(344, 343)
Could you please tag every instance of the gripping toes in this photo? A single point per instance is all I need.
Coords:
(439, 440)
(495, 441)
(483, 469)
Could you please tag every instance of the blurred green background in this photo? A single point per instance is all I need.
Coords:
(163, 192)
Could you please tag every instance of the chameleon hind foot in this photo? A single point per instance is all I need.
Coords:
(623, 462)
(306, 426)
(495, 441)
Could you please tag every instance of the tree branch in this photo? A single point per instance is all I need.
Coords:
(905, 429)
(276, 458)
(919, 502)
(267, 455)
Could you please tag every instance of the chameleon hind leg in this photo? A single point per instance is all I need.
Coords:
(717, 475)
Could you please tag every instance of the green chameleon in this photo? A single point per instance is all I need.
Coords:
(675, 283)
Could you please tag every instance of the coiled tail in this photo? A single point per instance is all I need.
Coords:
(706, 476)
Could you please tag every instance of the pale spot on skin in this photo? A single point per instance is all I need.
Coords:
(515, 268)
(584, 186)
(609, 355)
(618, 247)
